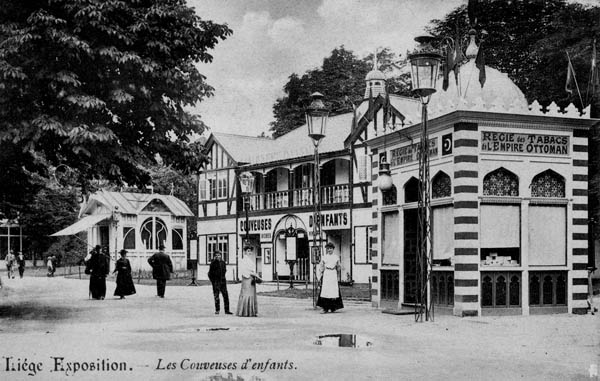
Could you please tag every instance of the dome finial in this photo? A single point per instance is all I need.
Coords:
(472, 49)
(375, 63)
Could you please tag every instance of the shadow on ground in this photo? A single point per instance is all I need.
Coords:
(34, 311)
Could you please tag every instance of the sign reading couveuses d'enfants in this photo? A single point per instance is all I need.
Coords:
(524, 143)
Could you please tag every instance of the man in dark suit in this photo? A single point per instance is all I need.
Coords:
(162, 267)
(216, 274)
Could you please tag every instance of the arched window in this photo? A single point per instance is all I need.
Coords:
(441, 185)
(153, 233)
(501, 182)
(411, 190)
(548, 184)
(390, 197)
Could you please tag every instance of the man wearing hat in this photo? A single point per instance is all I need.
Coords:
(162, 267)
(216, 274)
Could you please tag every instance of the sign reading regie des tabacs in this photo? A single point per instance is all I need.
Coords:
(524, 143)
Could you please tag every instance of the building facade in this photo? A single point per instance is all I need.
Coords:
(280, 208)
(509, 203)
(136, 222)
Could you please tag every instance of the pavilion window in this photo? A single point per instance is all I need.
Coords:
(500, 237)
(153, 233)
(177, 239)
(128, 238)
(547, 222)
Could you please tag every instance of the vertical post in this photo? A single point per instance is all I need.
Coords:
(316, 220)
(424, 256)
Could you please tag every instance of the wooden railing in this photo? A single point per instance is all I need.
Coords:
(301, 197)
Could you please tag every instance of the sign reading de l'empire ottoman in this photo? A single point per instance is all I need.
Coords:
(524, 143)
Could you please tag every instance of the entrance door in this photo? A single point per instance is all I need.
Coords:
(303, 266)
(410, 255)
(103, 235)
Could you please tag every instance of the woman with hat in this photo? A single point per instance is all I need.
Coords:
(247, 303)
(330, 298)
(125, 284)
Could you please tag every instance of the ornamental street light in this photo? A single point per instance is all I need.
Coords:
(424, 63)
(316, 121)
(247, 187)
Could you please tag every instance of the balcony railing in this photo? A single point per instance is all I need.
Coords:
(301, 197)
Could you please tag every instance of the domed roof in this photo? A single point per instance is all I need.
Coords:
(498, 92)
(375, 75)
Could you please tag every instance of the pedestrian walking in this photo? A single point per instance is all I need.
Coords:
(216, 274)
(9, 260)
(247, 302)
(162, 267)
(98, 267)
(50, 266)
(330, 298)
(125, 286)
(21, 264)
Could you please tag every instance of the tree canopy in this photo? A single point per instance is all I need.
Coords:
(101, 86)
(529, 41)
(341, 79)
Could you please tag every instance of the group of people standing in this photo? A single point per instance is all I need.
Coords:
(98, 267)
(247, 303)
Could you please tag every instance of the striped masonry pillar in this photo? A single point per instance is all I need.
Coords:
(466, 220)
(375, 233)
(578, 275)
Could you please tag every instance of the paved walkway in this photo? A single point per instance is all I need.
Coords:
(51, 323)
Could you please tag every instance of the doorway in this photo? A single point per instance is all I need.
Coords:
(410, 255)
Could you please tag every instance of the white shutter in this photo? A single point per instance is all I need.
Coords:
(547, 235)
(500, 226)
(443, 232)
(391, 241)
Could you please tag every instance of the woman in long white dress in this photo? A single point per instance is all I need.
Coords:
(247, 303)
(330, 298)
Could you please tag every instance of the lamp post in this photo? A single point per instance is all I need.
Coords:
(316, 121)
(247, 186)
(424, 63)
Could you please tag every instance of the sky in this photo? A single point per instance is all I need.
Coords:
(274, 38)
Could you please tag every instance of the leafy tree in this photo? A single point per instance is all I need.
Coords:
(341, 79)
(102, 85)
(53, 208)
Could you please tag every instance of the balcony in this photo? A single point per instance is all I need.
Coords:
(298, 198)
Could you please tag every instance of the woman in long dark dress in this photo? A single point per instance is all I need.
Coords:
(125, 284)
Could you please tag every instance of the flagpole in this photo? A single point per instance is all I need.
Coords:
(575, 79)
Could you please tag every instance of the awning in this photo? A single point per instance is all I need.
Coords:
(81, 225)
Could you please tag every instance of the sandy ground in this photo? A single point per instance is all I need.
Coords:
(163, 339)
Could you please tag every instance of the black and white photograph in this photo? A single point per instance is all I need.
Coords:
(265, 190)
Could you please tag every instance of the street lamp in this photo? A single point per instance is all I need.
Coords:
(424, 64)
(316, 121)
(247, 186)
